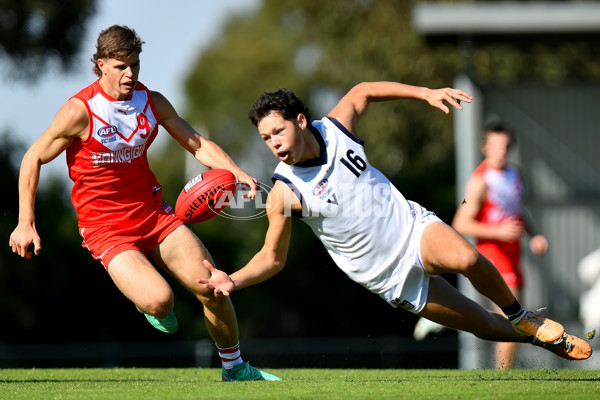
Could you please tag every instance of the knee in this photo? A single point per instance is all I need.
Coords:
(468, 260)
(159, 305)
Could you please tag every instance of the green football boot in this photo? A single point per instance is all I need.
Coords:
(245, 372)
(166, 325)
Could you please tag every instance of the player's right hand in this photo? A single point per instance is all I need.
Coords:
(510, 229)
(22, 237)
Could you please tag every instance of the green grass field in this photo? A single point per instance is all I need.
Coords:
(191, 383)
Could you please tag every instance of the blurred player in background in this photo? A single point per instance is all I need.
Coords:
(106, 130)
(492, 213)
(392, 246)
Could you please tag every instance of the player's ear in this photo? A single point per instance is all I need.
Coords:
(301, 121)
(101, 65)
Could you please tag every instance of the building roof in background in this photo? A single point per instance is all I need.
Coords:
(506, 18)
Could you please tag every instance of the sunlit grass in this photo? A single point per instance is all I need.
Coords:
(193, 383)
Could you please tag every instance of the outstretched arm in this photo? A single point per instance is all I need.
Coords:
(271, 258)
(355, 103)
(205, 151)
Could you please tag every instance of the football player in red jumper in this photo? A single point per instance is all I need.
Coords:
(106, 130)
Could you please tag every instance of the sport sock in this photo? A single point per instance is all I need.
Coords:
(514, 311)
(230, 356)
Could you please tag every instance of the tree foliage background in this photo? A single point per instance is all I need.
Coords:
(321, 51)
(34, 34)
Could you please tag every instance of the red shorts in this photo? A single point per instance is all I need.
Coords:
(507, 263)
(105, 242)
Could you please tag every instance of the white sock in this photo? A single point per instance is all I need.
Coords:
(230, 356)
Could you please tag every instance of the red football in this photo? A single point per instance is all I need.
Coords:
(205, 196)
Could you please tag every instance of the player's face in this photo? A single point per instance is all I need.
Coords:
(119, 76)
(282, 137)
(495, 148)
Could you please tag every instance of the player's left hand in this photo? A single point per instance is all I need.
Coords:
(219, 281)
(250, 182)
(538, 244)
(436, 98)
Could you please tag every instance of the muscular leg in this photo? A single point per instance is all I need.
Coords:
(444, 250)
(141, 283)
(447, 306)
(182, 254)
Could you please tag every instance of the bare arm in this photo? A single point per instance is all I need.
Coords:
(271, 257)
(71, 122)
(204, 150)
(538, 243)
(465, 220)
(355, 103)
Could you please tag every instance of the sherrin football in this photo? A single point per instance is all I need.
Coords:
(205, 196)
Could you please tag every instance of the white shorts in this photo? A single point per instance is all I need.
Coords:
(411, 292)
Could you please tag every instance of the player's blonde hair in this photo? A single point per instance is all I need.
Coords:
(118, 42)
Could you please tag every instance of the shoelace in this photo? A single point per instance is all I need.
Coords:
(564, 343)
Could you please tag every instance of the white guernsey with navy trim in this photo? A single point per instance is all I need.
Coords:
(365, 223)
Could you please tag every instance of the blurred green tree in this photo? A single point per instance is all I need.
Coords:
(36, 33)
(321, 52)
(63, 294)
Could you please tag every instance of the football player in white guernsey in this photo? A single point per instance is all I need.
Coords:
(393, 247)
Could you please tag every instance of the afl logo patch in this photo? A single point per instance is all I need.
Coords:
(320, 187)
(107, 131)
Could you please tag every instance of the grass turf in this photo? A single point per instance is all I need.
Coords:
(192, 383)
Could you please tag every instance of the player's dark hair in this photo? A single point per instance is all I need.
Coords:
(283, 101)
(499, 127)
(117, 42)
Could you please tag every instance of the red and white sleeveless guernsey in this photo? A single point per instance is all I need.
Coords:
(113, 184)
(503, 199)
